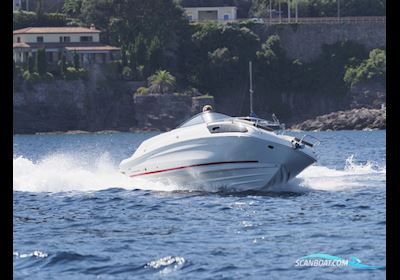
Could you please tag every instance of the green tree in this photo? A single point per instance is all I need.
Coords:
(222, 67)
(62, 63)
(371, 69)
(363, 8)
(72, 7)
(272, 64)
(41, 61)
(30, 64)
(39, 8)
(138, 52)
(76, 61)
(228, 43)
(123, 21)
(330, 69)
(127, 73)
(272, 50)
(98, 12)
(124, 55)
(23, 19)
(155, 55)
(221, 57)
(161, 82)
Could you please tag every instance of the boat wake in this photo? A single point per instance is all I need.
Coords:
(66, 173)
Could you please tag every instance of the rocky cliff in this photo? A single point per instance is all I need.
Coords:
(93, 106)
(304, 41)
(362, 118)
(364, 107)
(82, 105)
(72, 105)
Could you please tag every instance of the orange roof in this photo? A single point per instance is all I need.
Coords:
(93, 48)
(36, 30)
(21, 45)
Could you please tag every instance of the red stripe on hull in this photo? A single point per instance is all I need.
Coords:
(194, 165)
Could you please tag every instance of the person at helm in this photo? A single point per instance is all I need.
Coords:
(207, 108)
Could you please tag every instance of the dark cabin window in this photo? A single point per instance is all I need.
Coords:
(39, 39)
(18, 39)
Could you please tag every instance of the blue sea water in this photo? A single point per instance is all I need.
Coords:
(76, 217)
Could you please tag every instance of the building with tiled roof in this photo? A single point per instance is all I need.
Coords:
(57, 30)
(63, 40)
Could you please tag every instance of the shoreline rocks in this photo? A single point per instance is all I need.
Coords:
(355, 119)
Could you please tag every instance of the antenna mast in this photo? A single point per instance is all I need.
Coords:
(251, 88)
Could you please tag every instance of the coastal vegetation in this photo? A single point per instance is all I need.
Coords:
(100, 12)
(161, 82)
(37, 70)
(372, 69)
(158, 45)
(23, 19)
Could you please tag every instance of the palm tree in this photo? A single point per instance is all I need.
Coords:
(161, 82)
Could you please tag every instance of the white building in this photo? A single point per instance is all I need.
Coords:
(219, 14)
(62, 40)
(221, 11)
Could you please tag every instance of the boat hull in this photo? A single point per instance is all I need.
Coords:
(229, 162)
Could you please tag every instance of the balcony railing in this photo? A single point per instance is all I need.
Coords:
(306, 20)
(326, 20)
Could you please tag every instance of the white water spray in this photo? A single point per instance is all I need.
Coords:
(68, 172)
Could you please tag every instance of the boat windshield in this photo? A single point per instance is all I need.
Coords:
(204, 117)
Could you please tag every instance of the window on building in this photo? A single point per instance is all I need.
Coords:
(190, 18)
(18, 39)
(86, 39)
(65, 39)
(226, 17)
(39, 39)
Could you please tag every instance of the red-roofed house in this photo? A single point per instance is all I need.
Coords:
(58, 40)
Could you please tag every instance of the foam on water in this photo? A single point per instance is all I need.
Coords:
(66, 172)
(36, 254)
(69, 172)
(167, 265)
(352, 176)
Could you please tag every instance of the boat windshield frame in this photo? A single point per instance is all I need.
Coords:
(204, 117)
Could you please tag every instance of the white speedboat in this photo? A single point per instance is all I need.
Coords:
(213, 150)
